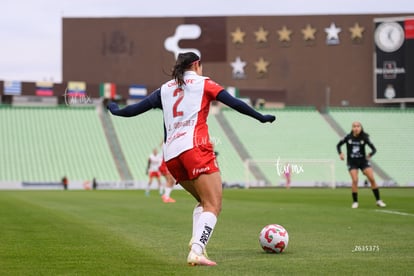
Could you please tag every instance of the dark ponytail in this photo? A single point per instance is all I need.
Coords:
(184, 61)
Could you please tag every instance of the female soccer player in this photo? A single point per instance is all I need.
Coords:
(169, 185)
(185, 102)
(357, 159)
(153, 170)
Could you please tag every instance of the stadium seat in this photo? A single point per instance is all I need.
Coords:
(46, 143)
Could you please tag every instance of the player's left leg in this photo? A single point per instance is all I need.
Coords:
(160, 188)
(374, 187)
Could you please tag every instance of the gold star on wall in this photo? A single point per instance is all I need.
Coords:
(356, 31)
(308, 33)
(261, 66)
(238, 36)
(261, 35)
(284, 34)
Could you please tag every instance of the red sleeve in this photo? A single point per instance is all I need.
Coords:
(212, 88)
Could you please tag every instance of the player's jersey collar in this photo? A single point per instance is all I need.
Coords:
(186, 73)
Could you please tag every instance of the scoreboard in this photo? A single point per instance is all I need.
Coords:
(394, 60)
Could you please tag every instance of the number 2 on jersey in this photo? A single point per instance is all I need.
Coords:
(180, 93)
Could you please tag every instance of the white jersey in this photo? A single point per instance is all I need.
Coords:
(185, 112)
(155, 161)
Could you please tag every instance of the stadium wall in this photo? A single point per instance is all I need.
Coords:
(298, 72)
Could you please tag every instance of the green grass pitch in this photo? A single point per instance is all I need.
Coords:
(126, 233)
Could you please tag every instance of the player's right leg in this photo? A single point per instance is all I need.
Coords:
(198, 254)
(166, 197)
(147, 190)
(354, 178)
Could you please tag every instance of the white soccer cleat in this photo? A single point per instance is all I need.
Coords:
(194, 259)
(354, 205)
(190, 244)
(381, 203)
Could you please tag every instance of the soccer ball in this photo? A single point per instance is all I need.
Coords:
(274, 238)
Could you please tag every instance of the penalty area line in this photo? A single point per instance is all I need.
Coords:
(395, 213)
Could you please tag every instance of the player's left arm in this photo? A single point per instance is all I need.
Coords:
(372, 147)
(151, 101)
(217, 92)
(338, 147)
(225, 97)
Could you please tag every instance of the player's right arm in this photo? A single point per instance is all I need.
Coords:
(148, 166)
(338, 148)
(149, 102)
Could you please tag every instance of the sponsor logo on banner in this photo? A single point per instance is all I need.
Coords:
(186, 31)
(117, 43)
(206, 36)
(390, 70)
(389, 92)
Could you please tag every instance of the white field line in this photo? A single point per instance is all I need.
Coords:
(395, 213)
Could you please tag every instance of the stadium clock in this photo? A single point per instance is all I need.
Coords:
(389, 36)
